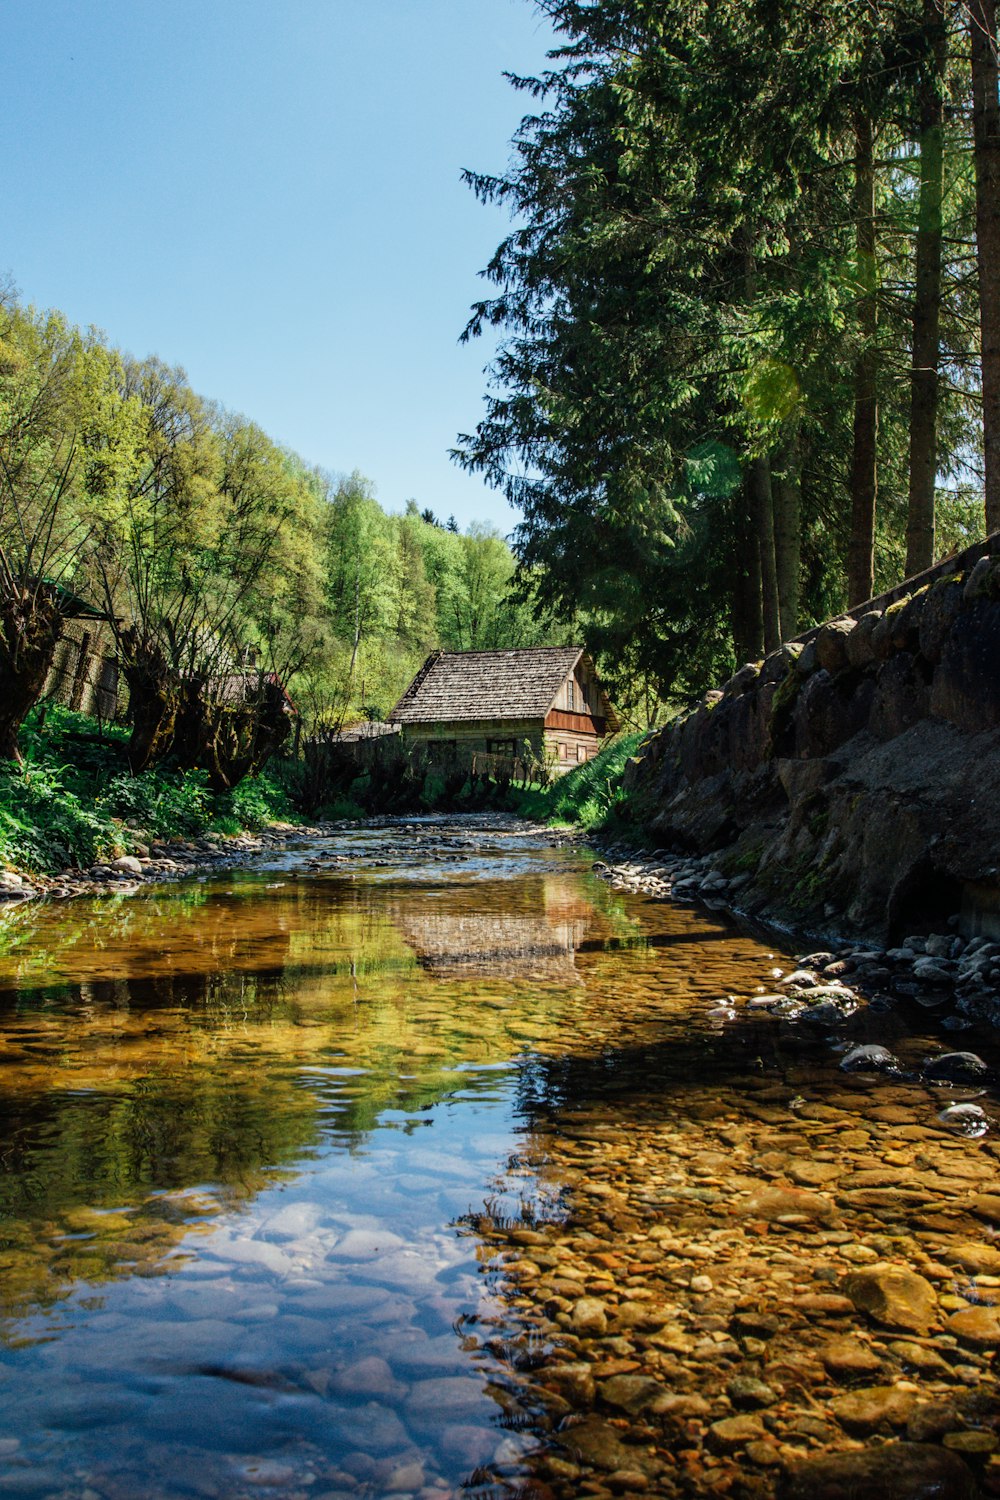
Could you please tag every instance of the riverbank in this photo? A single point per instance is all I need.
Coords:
(955, 979)
(214, 853)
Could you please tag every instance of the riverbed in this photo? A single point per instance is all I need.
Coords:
(418, 1162)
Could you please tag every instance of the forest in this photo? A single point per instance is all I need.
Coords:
(749, 316)
(214, 556)
(748, 374)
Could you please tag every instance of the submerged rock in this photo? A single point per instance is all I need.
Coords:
(870, 1058)
(894, 1471)
(894, 1296)
(955, 1067)
(965, 1119)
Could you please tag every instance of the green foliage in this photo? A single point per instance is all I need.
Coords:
(44, 825)
(590, 793)
(254, 804)
(681, 309)
(75, 804)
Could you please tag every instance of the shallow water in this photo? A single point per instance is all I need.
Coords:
(364, 1172)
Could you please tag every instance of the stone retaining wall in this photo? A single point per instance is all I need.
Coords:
(853, 775)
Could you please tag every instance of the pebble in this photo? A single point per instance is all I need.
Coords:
(849, 1358)
(734, 1432)
(748, 1391)
(590, 1316)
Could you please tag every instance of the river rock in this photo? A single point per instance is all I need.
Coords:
(965, 1119)
(127, 864)
(734, 1432)
(920, 1356)
(955, 1067)
(894, 1296)
(980, 1260)
(930, 1420)
(747, 1391)
(589, 1315)
(850, 1359)
(986, 1206)
(366, 1377)
(977, 1325)
(575, 1382)
(597, 1443)
(870, 1058)
(447, 1396)
(872, 1407)
(788, 1205)
(630, 1393)
(894, 1471)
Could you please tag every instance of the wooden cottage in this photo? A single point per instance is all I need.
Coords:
(498, 702)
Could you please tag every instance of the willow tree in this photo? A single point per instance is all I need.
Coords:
(217, 536)
(67, 452)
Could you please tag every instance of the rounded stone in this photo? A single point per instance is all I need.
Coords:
(977, 1325)
(747, 1391)
(590, 1316)
(872, 1407)
(893, 1471)
(734, 1432)
(894, 1296)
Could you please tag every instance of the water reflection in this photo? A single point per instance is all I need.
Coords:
(304, 1174)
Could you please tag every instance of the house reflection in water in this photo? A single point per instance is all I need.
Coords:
(478, 929)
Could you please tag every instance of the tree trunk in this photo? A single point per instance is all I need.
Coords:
(986, 151)
(357, 627)
(927, 301)
(861, 547)
(30, 627)
(787, 492)
(747, 600)
(153, 699)
(762, 511)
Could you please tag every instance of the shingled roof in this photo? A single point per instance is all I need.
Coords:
(487, 685)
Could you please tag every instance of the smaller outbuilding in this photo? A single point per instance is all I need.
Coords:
(547, 700)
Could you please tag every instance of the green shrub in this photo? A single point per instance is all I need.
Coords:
(75, 803)
(253, 804)
(590, 793)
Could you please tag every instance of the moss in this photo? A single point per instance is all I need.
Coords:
(784, 700)
(743, 860)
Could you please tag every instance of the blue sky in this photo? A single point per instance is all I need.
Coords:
(268, 193)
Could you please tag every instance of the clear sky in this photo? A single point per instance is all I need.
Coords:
(268, 193)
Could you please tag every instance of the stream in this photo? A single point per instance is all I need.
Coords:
(417, 1162)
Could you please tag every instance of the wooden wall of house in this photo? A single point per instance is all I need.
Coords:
(571, 747)
(480, 734)
(84, 672)
(565, 740)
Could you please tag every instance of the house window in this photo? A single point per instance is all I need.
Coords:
(571, 694)
(501, 747)
(581, 752)
(564, 751)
